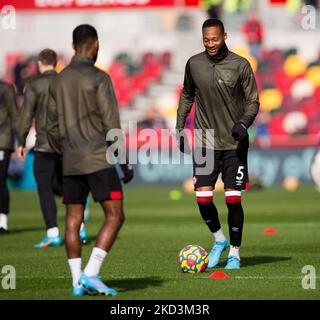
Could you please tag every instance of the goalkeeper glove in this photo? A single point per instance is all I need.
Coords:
(127, 172)
(182, 142)
(239, 131)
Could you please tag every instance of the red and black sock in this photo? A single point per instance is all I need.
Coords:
(235, 217)
(208, 210)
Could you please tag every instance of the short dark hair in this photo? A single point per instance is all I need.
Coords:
(213, 22)
(84, 34)
(48, 57)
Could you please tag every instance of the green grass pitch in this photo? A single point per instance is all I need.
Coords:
(143, 261)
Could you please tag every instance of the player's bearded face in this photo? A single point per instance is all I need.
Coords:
(213, 40)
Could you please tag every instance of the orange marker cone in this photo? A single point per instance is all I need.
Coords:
(218, 275)
(270, 231)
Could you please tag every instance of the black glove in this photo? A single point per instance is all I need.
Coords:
(182, 142)
(239, 131)
(127, 172)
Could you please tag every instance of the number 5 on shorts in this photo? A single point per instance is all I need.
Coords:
(240, 173)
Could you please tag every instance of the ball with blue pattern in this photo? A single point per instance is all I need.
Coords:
(193, 259)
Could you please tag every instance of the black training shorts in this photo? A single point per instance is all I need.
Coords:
(232, 164)
(104, 185)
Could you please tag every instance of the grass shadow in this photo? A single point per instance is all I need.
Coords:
(252, 261)
(24, 230)
(92, 239)
(134, 284)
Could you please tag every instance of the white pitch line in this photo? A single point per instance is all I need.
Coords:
(263, 278)
(177, 279)
(258, 277)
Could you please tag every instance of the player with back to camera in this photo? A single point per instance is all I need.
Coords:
(47, 163)
(223, 87)
(8, 125)
(82, 110)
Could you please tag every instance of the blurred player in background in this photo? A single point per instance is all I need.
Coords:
(47, 163)
(8, 124)
(213, 7)
(82, 109)
(224, 88)
(254, 32)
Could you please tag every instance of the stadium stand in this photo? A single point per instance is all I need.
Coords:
(289, 91)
